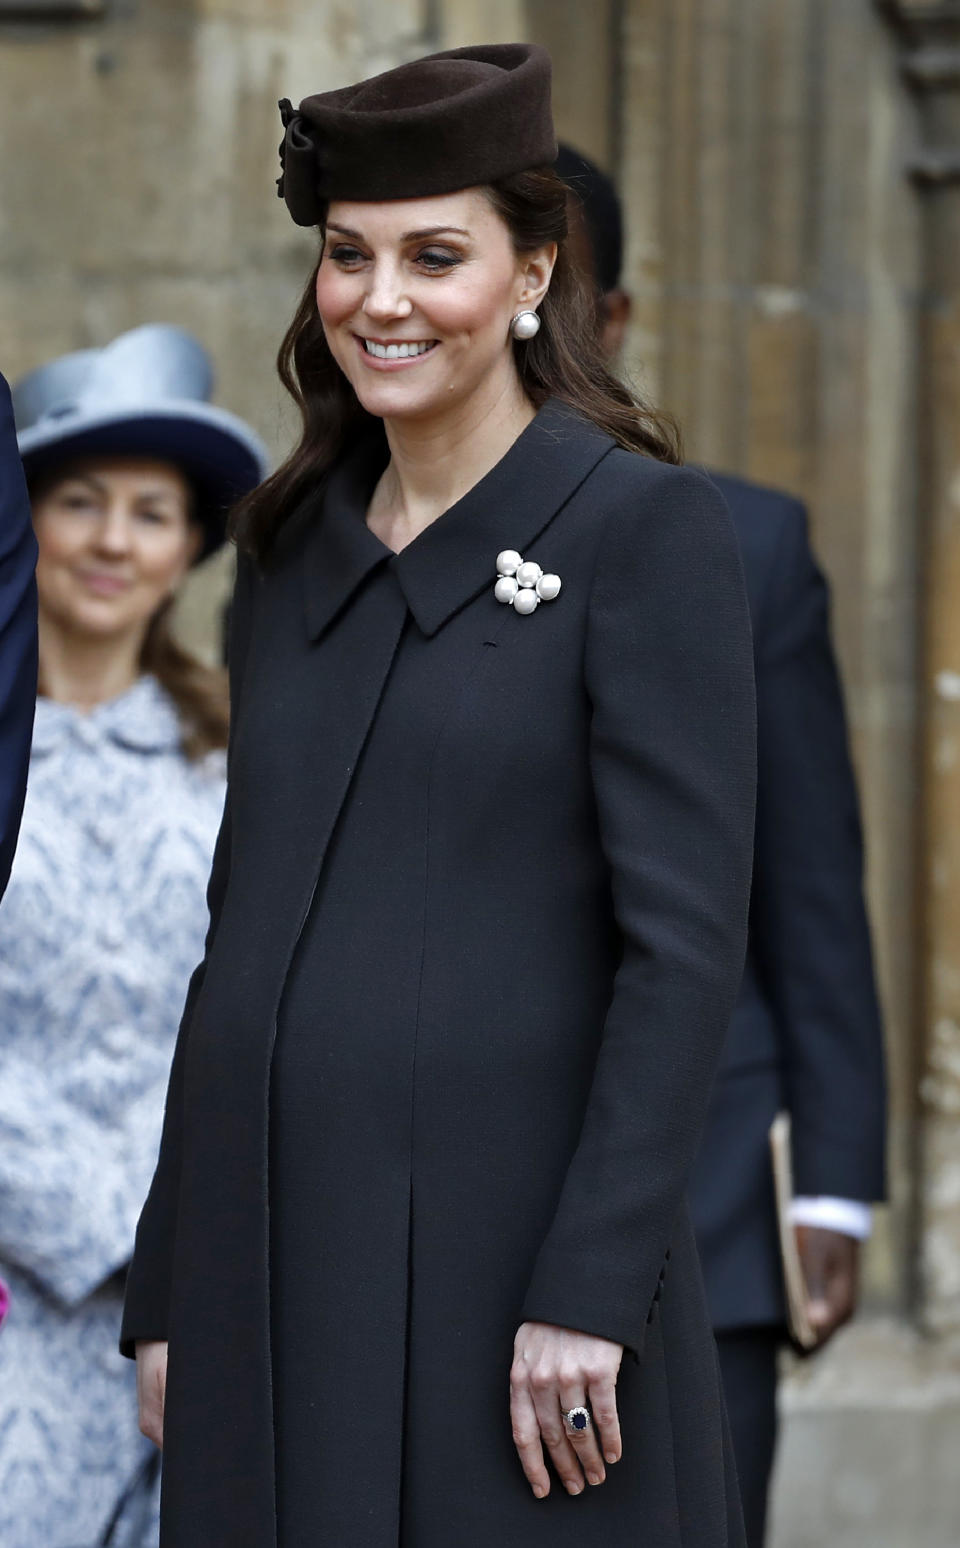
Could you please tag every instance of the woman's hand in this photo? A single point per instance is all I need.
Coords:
(554, 1370)
(151, 1387)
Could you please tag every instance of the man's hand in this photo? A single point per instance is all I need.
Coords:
(831, 1268)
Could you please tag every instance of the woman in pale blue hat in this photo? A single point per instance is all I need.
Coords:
(131, 472)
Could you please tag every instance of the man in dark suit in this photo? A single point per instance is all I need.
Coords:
(18, 635)
(806, 1035)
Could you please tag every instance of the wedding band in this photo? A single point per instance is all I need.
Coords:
(577, 1420)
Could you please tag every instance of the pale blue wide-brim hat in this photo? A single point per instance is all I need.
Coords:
(145, 395)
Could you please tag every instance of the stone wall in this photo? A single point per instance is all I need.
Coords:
(775, 253)
(137, 182)
(796, 306)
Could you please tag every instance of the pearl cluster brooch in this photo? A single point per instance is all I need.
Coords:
(523, 583)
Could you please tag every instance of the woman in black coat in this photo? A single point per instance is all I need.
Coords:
(417, 1240)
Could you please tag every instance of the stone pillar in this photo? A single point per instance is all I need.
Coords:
(586, 72)
(460, 23)
(930, 37)
(774, 249)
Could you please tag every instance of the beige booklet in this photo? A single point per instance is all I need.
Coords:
(799, 1323)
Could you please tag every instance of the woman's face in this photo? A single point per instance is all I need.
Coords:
(115, 539)
(416, 298)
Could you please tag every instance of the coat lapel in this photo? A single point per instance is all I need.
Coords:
(312, 692)
(454, 560)
(305, 713)
(300, 737)
(340, 550)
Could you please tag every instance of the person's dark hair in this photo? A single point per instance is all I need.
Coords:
(563, 361)
(601, 210)
(199, 693)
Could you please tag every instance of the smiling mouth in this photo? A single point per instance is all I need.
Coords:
(104, 585)
(407, 350)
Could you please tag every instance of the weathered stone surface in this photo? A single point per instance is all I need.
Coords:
(870, 1445)
(775, 253)
(138, 183)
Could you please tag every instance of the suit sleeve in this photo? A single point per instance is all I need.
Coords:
(810, 932)
(669, 672)
(147, 1301)
(18, 636)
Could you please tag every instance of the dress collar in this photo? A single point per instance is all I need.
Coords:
(453, 559)
(143, 719)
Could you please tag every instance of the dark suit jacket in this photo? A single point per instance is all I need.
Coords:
(18, 635)
(485, 879)
(806, 1032)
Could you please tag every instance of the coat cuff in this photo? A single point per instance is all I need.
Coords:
(145, 1314)
(589, 1296)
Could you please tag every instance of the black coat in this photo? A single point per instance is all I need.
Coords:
(18, 635)
(806, 1033)
(478, 922)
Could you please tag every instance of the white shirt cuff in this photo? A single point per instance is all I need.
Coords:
(848, 1216)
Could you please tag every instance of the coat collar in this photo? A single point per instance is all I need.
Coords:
(454, 559)
(341, 551)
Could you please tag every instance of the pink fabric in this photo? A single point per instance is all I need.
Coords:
(4, 1301)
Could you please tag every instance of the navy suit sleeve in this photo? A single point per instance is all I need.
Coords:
(809, 927)
(18, 635)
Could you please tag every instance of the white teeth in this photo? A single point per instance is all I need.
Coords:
(397, 351)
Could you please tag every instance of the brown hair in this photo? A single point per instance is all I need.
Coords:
(564, 361)
(199, 692)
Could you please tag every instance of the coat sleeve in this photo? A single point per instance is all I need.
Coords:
(669, 673)
(809, 924)
(18, 635)
(147, 1301)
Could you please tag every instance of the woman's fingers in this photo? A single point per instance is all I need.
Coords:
(583, 1441)
(546, 1399)
(556, 1370)
(526, 1436)
(603, 1406)
(152, 1388)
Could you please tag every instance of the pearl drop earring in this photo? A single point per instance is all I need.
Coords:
(526, 325)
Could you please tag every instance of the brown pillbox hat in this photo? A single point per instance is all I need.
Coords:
(453, 120)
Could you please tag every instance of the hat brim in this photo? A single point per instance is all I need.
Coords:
(220, 455)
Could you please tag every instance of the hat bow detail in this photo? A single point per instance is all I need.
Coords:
(300, 167)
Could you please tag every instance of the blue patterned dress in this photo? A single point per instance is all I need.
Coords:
(101, 926)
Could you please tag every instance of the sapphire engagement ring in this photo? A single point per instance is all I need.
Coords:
(577, 1420)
